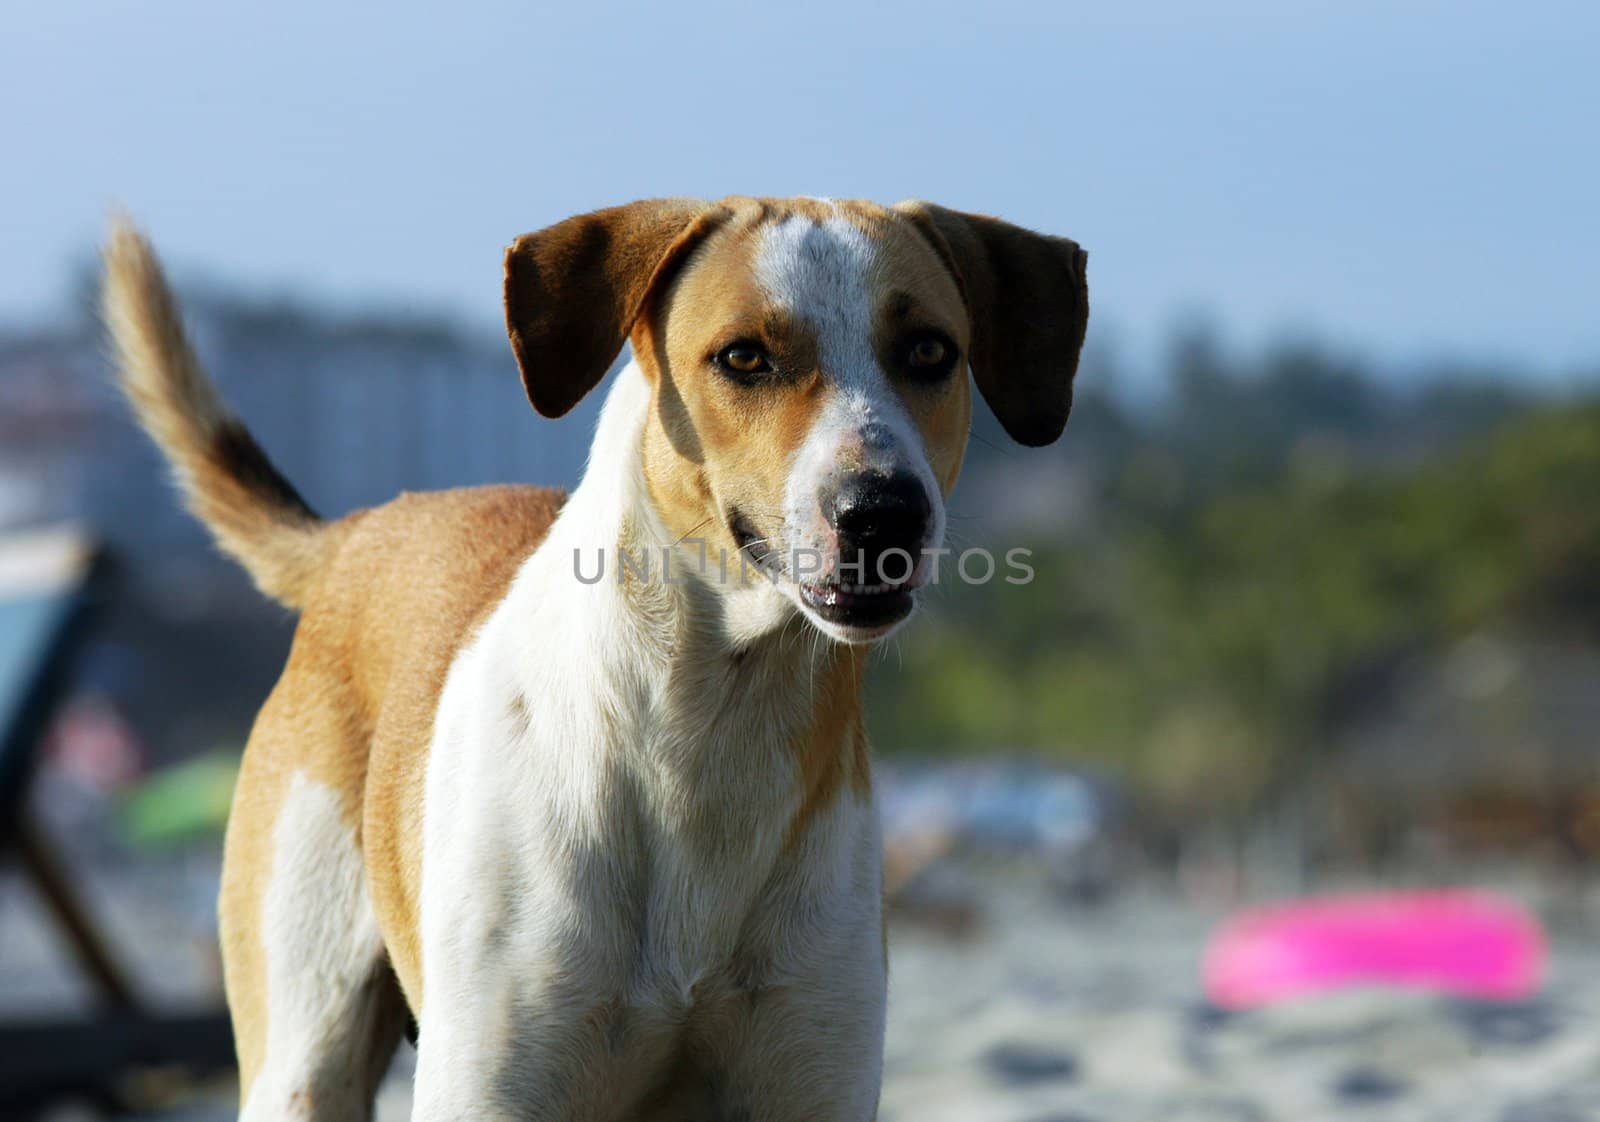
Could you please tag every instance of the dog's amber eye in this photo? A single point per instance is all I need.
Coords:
(927, 351)
(743, 360)
(929, 355)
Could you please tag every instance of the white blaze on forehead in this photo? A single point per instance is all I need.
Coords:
(820, 273)
(817, 271)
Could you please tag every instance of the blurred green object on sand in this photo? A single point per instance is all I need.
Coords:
(181, 802)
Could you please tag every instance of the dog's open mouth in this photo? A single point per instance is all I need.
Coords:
(864, 607)
(857, 605)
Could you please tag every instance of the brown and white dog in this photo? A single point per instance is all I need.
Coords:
(611, 842)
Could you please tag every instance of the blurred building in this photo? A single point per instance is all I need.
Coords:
(352, 410)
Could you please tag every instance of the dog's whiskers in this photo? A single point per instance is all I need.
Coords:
(695, 529)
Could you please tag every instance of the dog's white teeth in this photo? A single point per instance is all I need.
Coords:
(864, 589)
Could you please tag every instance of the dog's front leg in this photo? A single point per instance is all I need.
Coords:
(807, 1056)
(534, 1053)
(809, 1048)
(523, 1010)
(477, 1064)
(522, 1015)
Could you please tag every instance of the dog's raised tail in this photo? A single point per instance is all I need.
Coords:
(227, 481)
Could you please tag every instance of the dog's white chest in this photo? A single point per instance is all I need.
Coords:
(602, 822)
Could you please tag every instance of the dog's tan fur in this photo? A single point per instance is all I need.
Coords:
(230, 485)
(354, 707)
(388, 595)
(391, 596)
(704, 429)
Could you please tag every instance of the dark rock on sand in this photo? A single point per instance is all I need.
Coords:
(1023, 1064)
(1367, 1085)
(1496, 1024)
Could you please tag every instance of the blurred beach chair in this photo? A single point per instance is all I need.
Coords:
(49, 584)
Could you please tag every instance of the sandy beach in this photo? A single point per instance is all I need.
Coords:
(1099, 1017)
(1043, 1012)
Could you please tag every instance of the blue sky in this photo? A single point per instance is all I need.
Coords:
(1410, 180)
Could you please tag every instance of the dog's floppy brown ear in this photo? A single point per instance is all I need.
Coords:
(1028, 299)
(574, 290)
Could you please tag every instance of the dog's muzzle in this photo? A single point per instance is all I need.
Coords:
(880, 521)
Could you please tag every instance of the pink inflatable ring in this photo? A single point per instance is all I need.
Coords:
(1468, 943)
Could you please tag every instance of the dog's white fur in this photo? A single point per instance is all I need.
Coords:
(321, 941)
(646, 883)
(820, 272)
(622, 777)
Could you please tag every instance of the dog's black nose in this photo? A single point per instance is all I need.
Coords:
(874, 512)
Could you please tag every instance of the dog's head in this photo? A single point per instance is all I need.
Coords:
(809, 367)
